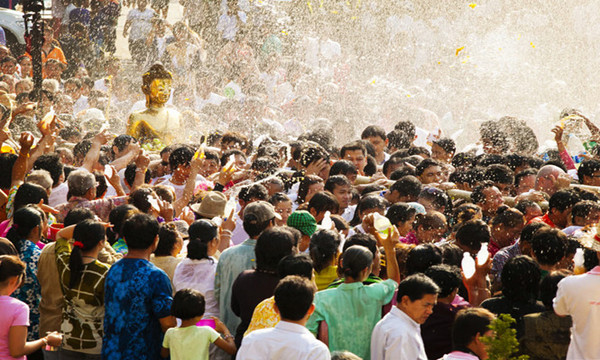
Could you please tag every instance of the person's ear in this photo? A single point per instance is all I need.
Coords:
(311, 310)
(155, 243)
(276, 309)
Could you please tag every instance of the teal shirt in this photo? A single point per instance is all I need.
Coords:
(231, 263)
(351, 311)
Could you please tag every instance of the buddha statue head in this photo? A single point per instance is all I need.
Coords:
(156, 85)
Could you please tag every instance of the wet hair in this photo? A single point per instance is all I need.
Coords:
(312, 152)
(355, 259)
(25, 219)
(465, 212)
(400, 212)
(486, 160)
(293, 297)
(368, 202)
(181, 156)
(549, 246)
(164, 192)
(583, 209)
(499, 173)
(439, 199)
(416, 287)
(508, 217)
(431, 220)
(407, 127)
(227, 154)
(563, 199)
(10, 266)
(463, 160)
(447, 144)
(235, 137)
(421, 257)
(278, 198)
(324, 201)
(77, 215)
(401, 172)
(353, 146)
(530, 230)
(273, 245)
(201, 233)
(520, 279)
(296, 264)
(305, 184)
(254, 191)
(372, 131)
(139, 198)
(29, 193)
(52, 164)
(87, 234)
(121, 142)
(342, 167)
(523, 205)
(336, 180)
(419, 150)
(424, 165)
(523, 174)
(188, 304)
(117, 218)
(407, 186)
(362, 239)
(473, 233)
(587, 168)
(167, 238)
(102, 186)
(324, 245)
(491, 131)
(397, 139)
(156, 71)
(477, 196)
(549, 286)
(139, 231)
(468, 323)
(448, 278)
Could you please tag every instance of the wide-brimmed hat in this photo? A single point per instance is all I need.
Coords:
(212, 205)
(591, 239)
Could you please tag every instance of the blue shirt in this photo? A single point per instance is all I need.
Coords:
(30, 291)
(137, 295)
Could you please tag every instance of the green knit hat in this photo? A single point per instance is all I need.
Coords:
(303, 221)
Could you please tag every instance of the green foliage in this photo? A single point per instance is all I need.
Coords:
(503, 344)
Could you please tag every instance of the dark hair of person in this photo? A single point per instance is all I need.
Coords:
(355, 259)
(477, 196)
(87, 234)
(447, 144)
(29, 193)
(273, 245)
(339, 223)
(448, 278)
(371, 167)
(523, 205)
(416, 286)
(353, 146)
(407, 186)
(77, 215)
(24, 220)
(472, 233)
(401, 172)
(521, 279)
(278, 198)
(117, 218)
(465, 212)
(499, 173)
(463, 160)
(139, 231)
(52, 164)
(188, 304)
(408, 127)
(324, 201)
(312, 152)
(590, 259)
(139, 198)
(373, 131)
(523, 174)
(421, 257)
(181, 156)
(368, 202)
(167, 239)
(467, 324)
(130, 171)
(342, 167)
(164, 192)
(549, 286)
(563, 199)
(102, 186)
(400, 212)
(424, 165)
(254, 192)
(451, 254)
(201, 233)
(362, 239)
(549, 246)
(392, 164)
(587, 168)
(293, 296)
(530, 230)
(295, 264)
(508, 217)
(372, 188)
(397, 139)
(120, 142)
(305, 185)
(430, 221)
(227, 154)
(439, 199)
(10, 265)
(419, 150)
(336, 180)
(583, 209)
(324, 245)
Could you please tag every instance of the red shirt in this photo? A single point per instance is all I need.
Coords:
(543, 219)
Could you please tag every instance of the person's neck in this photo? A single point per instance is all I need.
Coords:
(139, 254)
(556, 220)
(178, 179)
(301, 322)
(190, 322)
(5, 291)
(89, 256)
(447, 299)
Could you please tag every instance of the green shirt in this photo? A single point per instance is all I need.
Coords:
(189, 343)
(351, 311)
(83, 312)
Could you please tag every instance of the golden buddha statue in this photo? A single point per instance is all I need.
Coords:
(156, 121)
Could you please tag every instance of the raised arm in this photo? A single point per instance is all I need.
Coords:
(21, 164)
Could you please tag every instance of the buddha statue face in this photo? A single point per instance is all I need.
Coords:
(158, 93)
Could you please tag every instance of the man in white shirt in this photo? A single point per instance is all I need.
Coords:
(470, 325)
(579, 296)
(398, 334)
(289, 339)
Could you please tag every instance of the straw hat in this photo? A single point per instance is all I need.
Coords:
(212, 205)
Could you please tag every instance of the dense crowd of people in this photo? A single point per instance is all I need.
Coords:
(274, 221)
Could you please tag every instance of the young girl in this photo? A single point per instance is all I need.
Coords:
(324, 245)
(14, 317)
(283, 206)
(190, 341)
(82, 281)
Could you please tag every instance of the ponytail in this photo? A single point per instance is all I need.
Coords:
(10, 266)
(87, 235)
(324, 246)
(355, 259)
(24, 220)
(201, 233)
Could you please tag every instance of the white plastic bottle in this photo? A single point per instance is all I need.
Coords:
(483, 254)
(578, 261)
(468, 265)
(382, 224)
(327, 223)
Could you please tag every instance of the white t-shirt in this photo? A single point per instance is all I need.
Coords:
(141, 23)
(58, 195)
(397, 336)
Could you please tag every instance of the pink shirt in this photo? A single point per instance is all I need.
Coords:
(14, 313)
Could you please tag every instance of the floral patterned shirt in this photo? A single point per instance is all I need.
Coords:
(30, 292)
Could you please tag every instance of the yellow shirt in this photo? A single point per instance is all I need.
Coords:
(325, 277)
(264, 316)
